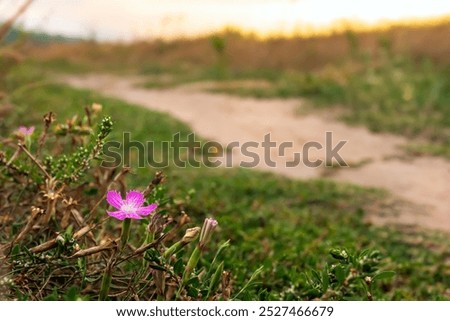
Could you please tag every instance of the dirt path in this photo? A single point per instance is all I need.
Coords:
(375, 160)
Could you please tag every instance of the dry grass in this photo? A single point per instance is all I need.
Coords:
(247, 52)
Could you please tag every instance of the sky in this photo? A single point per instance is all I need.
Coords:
(125, 20)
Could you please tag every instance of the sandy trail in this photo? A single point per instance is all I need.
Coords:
(375, 160)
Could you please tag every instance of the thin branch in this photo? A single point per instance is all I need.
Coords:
(95, 249)
(34, 160)
(4, 29)
(78, 234)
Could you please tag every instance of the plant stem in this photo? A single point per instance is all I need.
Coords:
(106, 282)
(125, 233)
(192, 263)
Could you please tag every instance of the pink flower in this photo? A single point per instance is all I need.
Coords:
(130, 207)
(25, 131)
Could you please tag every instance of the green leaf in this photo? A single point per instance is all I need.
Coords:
(72, 294)
(192, 292)
(325, 279)
(250, 282)
(178, 267)
(52, 296)
(157, 267)
(215, 280)
(384, 275)
(340, 274)
(15, 250)
(194, 281)
(316, 275)
(222, 247)
(68, 232)
(364, 253)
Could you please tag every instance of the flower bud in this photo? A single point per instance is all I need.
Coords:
(208, 228)
(190, 235)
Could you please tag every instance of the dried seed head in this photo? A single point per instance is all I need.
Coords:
(159, 177)
(36, 211)
(49, 118)
(184, 219)
(51, 191)
(69, 202)
(156, 225)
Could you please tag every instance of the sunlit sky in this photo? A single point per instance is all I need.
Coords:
(133, 19)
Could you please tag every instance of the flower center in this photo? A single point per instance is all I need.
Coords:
(128, 208)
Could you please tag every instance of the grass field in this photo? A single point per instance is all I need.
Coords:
(388, 80)
(287, 227)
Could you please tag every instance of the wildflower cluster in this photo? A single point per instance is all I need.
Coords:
(69, 229)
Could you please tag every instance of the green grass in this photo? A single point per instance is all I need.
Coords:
(289, 227)
(286, 226)
(163, 77)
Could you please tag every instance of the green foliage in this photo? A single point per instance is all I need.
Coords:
(349, 277)
(70, 167)
(289, 227)
(400, 97)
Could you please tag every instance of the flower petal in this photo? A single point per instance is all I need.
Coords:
(114, 199)
(146, 210)
(135, 198)
(134, 216)
(120, 215)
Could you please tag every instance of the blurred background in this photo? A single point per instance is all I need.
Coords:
(150, 19)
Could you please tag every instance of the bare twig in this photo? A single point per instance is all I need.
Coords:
(78, 234)
(35, 213)
(48, 119)
(44, 246)
(13, 157)
(158, 179)
(11, 167)
(34, 160)
(143, 248)
(95, 249)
